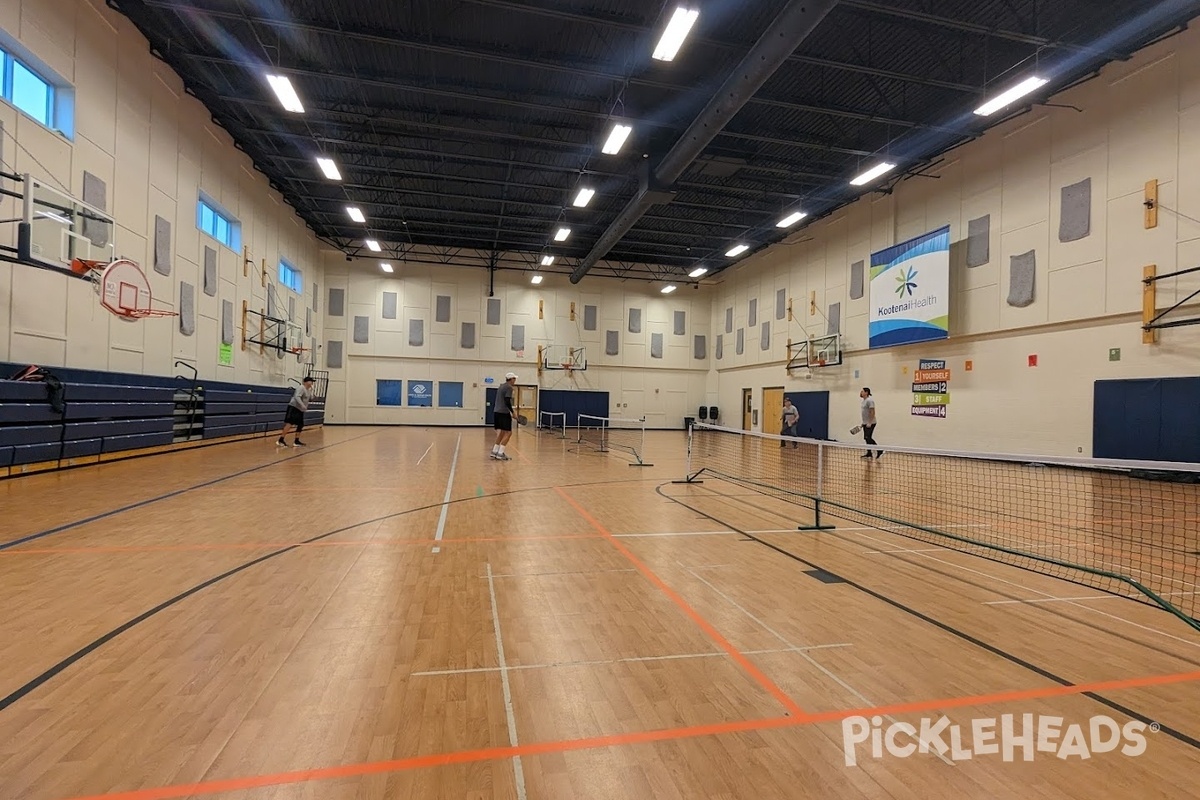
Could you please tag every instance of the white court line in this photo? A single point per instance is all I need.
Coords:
(629, 660)
(678, 533)
(518, 772)
(1048, 596)
(422, 458)
(1055, 599)
(565, 572)
(829, 673)
(441, 528)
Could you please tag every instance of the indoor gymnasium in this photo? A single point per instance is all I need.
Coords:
(599, 399)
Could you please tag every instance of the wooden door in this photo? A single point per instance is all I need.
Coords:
(527, 402)
(772, 410)
(747, 409)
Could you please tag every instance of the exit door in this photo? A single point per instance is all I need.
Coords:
(772, 410)
(747, 409)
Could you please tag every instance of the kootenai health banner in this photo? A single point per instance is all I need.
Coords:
(910, 291)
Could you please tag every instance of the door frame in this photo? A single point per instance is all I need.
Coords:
(747, 409)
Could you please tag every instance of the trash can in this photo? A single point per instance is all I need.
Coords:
(688, 422)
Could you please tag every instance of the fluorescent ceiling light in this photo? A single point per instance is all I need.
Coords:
(547, 260)
(697, 272)
(329, 168)
(373, 246)
(583, 198)
(738, 250)
(286, 94)
(616, 139)
(873, 173)
(1011, 96)
(677, 30)
(668, 288)
(536, 279)
(355, 214)
(385, 266)
(562, 234)
(790, 220)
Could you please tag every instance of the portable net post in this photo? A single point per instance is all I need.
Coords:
(553, 421)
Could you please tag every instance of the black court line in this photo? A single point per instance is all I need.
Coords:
(150, 501)
(950, 629)
(88, 649)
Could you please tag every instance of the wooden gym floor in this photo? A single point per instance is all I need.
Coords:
(390, 614)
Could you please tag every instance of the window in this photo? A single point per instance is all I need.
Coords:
(27, 90)
(387, 392)
(291, 277)
(450, 394)
(218, 224)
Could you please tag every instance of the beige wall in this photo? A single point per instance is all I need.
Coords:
(664, 390)
(156, 148)
(1140, 121)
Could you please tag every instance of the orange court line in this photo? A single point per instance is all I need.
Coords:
(694, 615)
(615, 740)
(150, 548)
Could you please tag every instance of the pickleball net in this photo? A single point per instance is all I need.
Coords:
(554, 422)
(1129, 528)
(612, 434)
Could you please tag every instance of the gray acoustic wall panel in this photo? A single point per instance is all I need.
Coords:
(362, 330)
(226, 322)
(833, 319)
(316, 299)
(390, 302)
(337, 302)
(729, 320)
(857, 270)
(468, 336)
(781, 304)
(589, 318)
(765, 344)
(210, 272)
(635, 320)
(741, 340)
(272, 302)
(1075, 220)
(416, 332)
(333, 355)
(162, 246)
(308, 322)
(752, 313)
(95, 193)
(187, 309)
(441, 311)
(680, 323)
(699, 347)
(291, 308)
(518, 337)
(720, 351)
(1022, 270)
(979, 241)
(611, 341)
(493, 311)
(656, 345)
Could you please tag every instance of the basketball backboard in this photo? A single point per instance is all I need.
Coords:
(57, 228)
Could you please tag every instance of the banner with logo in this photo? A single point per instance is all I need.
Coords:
(420, 393)
(910, 291)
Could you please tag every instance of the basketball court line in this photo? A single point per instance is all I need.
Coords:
(562, 572)
(441, 526)
(627, 660)
(413, 763)
(812, 661)
(422, 458)
(745, 663)
(150, 501)
(518, 772)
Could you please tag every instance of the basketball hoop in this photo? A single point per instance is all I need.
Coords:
(567, 365)
(123, 288)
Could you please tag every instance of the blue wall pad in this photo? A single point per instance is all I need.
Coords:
(1151, 419)
(1022, 272)
(573, 402)
(814, 413)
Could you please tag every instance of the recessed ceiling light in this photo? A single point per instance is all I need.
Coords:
(329, 168)
(286, 94)
(737, 250)
(873, 173)
(697, 272)
(385, 266)
(1011, 96)
(668, 288)
(547, 260)
(373, 246)
(790, 220)
(562, 234)
(583, 198)
(355, 214)
(677, 30)
(616, 138)
(535, 280)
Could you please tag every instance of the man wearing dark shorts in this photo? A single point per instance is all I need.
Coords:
(294, 418)
(502, 416)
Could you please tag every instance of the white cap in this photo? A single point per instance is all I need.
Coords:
(510, 376)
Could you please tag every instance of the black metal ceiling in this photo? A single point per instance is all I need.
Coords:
(468, 125)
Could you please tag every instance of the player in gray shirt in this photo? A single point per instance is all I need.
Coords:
(294, 418)
(503, 414)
